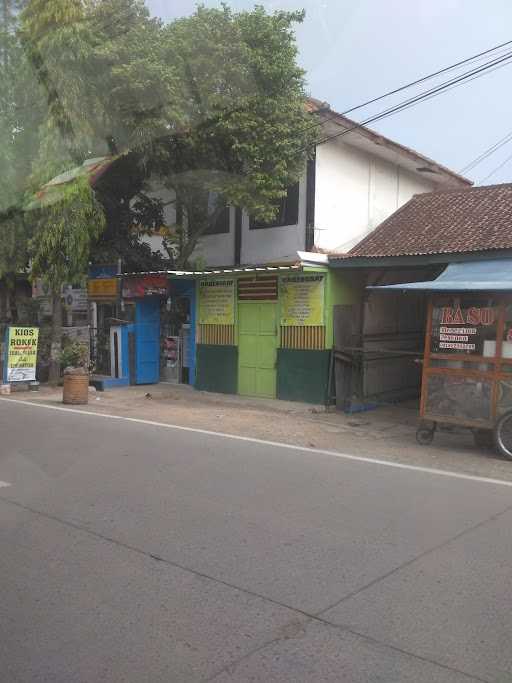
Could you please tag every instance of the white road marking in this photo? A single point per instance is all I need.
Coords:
(4, 484)
(274, 444)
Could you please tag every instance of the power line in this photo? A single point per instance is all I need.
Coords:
(495, 170)
(428, 94)
(487, 153)
(423, 79)
(428, 77)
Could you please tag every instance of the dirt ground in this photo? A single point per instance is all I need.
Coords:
(387, 432)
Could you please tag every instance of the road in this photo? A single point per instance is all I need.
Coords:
(142, 553)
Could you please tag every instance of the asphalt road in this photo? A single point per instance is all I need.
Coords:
(141, 553)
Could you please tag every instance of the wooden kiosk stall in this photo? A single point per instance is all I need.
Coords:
(467, 364)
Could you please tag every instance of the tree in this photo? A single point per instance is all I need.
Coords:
(212, 104)
(247, 134)
(20, 117)
(61, 245)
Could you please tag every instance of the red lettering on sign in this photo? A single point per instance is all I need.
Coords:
(458, 318)
(487, 316)
(447, 316)
(473, 316)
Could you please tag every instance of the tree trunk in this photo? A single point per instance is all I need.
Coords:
(56, 338)
(12, 304)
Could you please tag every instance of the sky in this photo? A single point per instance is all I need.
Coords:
(354, 51)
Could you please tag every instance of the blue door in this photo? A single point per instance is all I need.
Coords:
(147, 342)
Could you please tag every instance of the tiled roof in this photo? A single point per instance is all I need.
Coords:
(443, 222)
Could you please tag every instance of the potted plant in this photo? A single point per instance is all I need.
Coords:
(74, 358)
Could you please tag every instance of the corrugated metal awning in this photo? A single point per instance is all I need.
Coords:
(469, 276)
(219, 271)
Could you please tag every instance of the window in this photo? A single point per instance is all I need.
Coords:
(288, 213)
(221, 225)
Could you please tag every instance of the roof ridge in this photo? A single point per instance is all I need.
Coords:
(463, 190)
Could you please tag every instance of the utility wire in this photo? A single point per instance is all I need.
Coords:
(436, 89)
(470, 75)
(428, 77)
(423, 79)
(495, 170)
(487, 153)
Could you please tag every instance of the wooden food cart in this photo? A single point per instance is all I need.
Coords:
(467, 364)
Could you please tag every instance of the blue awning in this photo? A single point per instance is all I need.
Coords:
(468, 276)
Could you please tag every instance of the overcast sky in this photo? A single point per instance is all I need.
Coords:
(353, 51)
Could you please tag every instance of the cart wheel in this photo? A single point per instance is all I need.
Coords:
(425, 434)
(483, 438)
(503, 435)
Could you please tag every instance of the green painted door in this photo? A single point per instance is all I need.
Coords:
(257, 349)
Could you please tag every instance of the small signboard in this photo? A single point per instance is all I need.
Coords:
(147, 285)
(217, 302)
(456, 329)
(302, 300)
(76, 299)
(103, 288)
(41, 293)
(21, 354)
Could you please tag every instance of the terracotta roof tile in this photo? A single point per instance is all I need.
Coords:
(451, 221)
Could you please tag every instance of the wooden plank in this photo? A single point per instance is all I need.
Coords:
(426, 359)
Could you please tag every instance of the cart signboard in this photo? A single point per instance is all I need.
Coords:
(21, 354)
(457, 329)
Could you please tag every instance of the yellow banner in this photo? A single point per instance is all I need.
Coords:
(302, 300)
(217, 302)
(103, 288)
(22, 354)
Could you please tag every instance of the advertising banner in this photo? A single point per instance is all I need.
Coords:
(147, 285)
(302, 300)
(21, 354)
(217, 302)
(103, 288)
(461, 329)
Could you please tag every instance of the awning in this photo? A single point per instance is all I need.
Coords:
(53, 191)
(468, 276)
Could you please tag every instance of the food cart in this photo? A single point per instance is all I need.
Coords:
(467, 364)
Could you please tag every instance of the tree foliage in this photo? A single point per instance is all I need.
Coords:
(211, 105)
(64, 233)
(248, 133)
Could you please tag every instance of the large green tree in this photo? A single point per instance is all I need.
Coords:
(247, 132)
(211, 105)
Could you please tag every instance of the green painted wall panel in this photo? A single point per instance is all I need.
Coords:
(217, 368)
(341, 288)
(302, 375)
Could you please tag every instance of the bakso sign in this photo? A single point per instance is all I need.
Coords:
(462, 329)
(468, 316)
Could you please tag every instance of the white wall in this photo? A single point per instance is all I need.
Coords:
(217, 250)
(355, 191)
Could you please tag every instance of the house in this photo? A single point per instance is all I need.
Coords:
(353, 182)
(383, 333)
(266, 304)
